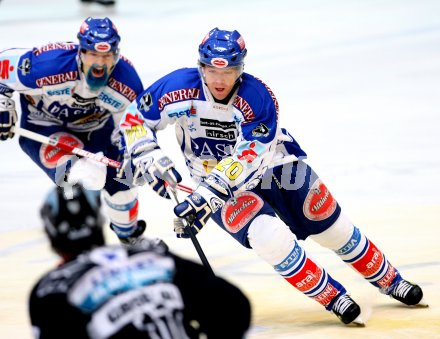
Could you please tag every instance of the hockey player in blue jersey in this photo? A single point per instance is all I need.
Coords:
(251, 174)
(76, 93)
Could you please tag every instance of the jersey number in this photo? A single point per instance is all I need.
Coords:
(135, 132)
(231, 168)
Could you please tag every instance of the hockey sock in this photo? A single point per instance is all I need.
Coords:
(310, 279)
(361, 254)
(122, 209)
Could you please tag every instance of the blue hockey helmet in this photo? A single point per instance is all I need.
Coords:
(72, 219)
(99, 35)
(222, 49)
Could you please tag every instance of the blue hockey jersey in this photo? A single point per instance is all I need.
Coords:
(53, 91)
(232, 143)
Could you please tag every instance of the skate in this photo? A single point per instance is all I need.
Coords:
(137, 240)
(407, 293)
(136, 236)
(347, 310)
(101, 2)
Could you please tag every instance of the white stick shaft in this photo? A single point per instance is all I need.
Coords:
(65, 147)
(78, 151)
(32, 135)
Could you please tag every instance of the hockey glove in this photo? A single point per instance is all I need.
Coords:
(197, 208)
(155, 168)
(8, 116)
(88, 173)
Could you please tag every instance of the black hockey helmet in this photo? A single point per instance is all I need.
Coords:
(72, 219)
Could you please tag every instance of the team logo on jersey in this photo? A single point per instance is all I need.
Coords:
(239, 211)
(123, 89)
(248, 154)
(6, 67)
(217, 124)
(260, 131)
(57, 79)
(218, 184)
(145, 102)
(132, 120)
(133, 128)
(219, 62)
(108, 99)
(213, 133)
(319, 203)
(178, 95)
(53, 46)
(216, 204)
(192, 127)
(51, 156)
(25, 67)
(61, 91)
(184, 111)
(243, 106)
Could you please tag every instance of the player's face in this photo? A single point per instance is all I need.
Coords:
(220, 81)
(98, 63)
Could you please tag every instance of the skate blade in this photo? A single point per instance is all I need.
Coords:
(358, 322)
(422, 304)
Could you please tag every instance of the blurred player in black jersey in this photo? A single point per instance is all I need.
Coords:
(143, 291)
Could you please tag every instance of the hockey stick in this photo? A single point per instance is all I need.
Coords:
(77, 151)
(173, 195)
(65, 147)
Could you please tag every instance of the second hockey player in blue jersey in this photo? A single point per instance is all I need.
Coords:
(75, 93)
(251, 175)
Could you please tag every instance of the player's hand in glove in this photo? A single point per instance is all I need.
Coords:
(155, 168)
(88, 173)
(180, 227)
(8, 116)
(195, 210)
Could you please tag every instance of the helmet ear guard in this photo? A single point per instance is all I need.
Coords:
(222, 49)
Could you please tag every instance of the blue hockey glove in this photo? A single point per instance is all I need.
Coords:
(8, 116)
(195, 210)
(155, 168)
